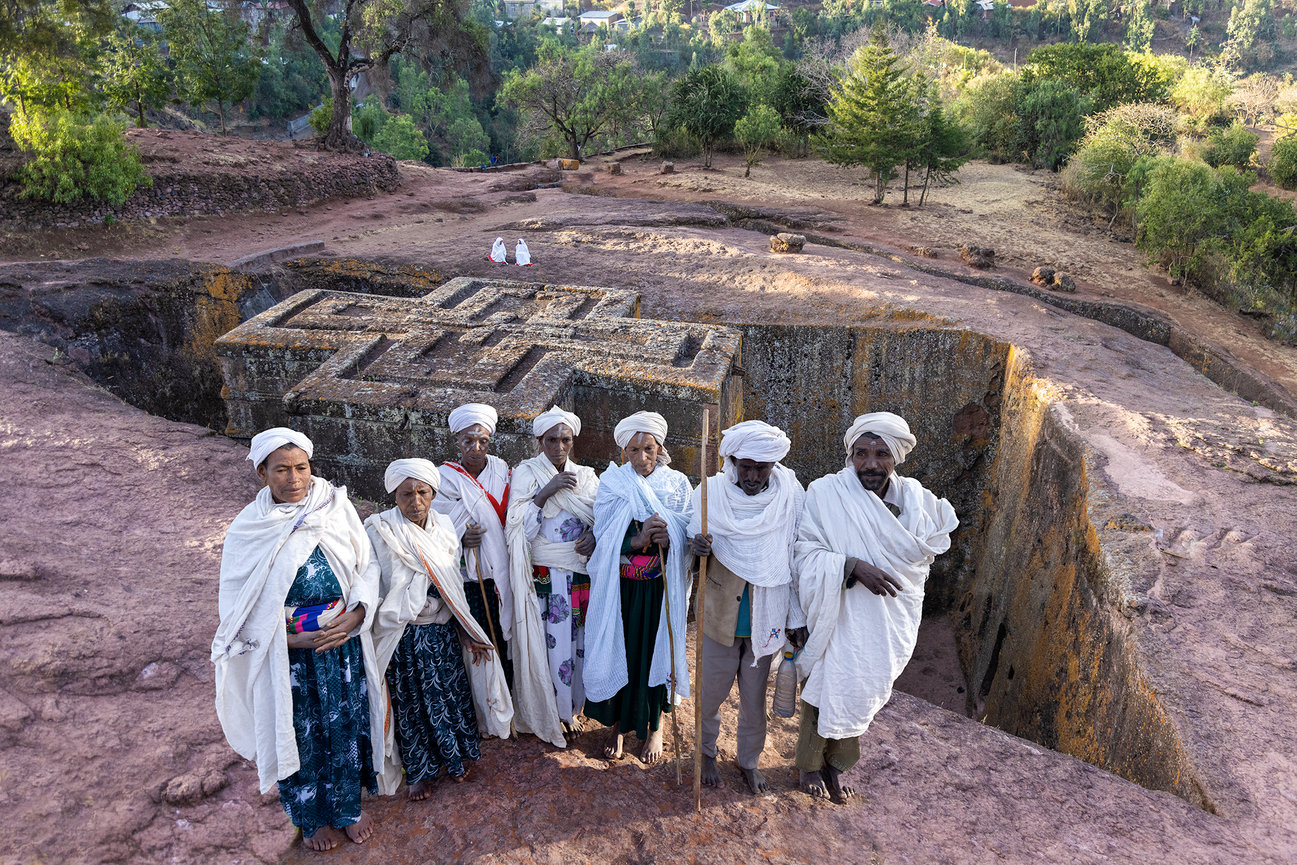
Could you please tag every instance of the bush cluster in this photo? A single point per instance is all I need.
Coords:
(72, 156)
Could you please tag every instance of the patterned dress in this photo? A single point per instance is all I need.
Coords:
(564, 597)
(330, 716)
(432, 702)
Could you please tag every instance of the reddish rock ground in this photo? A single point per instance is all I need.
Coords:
(114, 521)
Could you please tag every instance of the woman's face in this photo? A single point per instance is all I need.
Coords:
(473, 442)
(287, 471)
(557, 443)
(642, 452)
(414, 498)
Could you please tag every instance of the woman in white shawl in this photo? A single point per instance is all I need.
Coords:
(421, 634)
(297, 684)
(550, 534)
(641, 516)
(474, 493)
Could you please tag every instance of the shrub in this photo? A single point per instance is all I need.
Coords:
(470, 158)
(1051, 120)
(1117, 139)
(1283, 161)
(1231, 146)
(73, 157)
(401, 138)
(988, 110)
(322, 117)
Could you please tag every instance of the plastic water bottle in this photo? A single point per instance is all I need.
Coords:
(784, 703)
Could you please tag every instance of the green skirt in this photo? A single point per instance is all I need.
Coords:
(637, 707)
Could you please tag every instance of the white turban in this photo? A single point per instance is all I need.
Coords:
(420, 470)
(755, 440)
(473, 413)
(641, 422)
(548, 420)
(891, 428)
(266, 443)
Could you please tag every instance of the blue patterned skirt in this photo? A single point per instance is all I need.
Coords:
(432, 703)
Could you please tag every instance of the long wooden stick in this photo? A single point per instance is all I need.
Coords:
(481, 584)
(671, 644)
(698, 623)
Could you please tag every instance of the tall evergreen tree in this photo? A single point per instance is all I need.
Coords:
(873, 114)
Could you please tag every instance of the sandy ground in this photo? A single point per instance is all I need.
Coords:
(1213, 473)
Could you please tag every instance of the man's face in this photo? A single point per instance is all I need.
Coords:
(473, 444)
(642, 452)
(753, 477)
(557, 443)
(414, 498)
(287, 471)
(873, 463)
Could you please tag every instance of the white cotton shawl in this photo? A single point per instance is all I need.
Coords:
(753, 536)
(264, 547)
(625, 496)
(860, 642)
(535, 704)
(402, 549)
(461, 499)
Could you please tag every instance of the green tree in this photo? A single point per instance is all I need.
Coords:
(943, 148)
(1051, 121)
(214, 61)
(369, 34)
(1283, 161)
(873, 114)
(1105, 73)
(1139, 28)
(48, 51)
(1182, 216)
(134, 78)
(1247, 21)
(756, 63)
(706, 103)
(1116, 141)
(1200, 95)
(756, 130)
(71, 157)
(988, 108)
(800, 104)
(1233, 145)
(576, 96)
(401, 138)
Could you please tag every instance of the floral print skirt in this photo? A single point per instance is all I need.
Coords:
(436, 726)
(563, 612)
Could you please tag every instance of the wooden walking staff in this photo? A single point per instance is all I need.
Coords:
(481, 585)
(698, 623)
(671, 645)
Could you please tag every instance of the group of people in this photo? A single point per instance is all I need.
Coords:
(351, 657)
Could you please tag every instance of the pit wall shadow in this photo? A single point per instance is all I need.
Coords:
(1036, 610)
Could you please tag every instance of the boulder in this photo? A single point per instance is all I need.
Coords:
(1063, 282)
(924, 251)
(1043, 276)
(981, 257)
(614, 168)
(785, 242)
(667, 168)
(569, 164)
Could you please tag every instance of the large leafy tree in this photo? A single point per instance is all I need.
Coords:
(1104, 73)
(706, 103)
(576, 96)
(48, 50)
(135, 78)
(214, 61)
(874, 114)
(369, 34)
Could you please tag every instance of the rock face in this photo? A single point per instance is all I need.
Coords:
(785, 242)
(370, 379)
(981, 257)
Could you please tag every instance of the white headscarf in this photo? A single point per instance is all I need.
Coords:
(891, 428)
(548, 420)
(420, 470)
(752, 440)
(266, 443)
(473, 413)
(644, 422)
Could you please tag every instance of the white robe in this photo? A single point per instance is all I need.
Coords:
(753, 536)
(860, 642)
(264, 547)
(402, 548)
(461, 498)
(537, 710)
(625, 496)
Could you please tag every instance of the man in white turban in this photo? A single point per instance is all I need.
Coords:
(867, 539)
(298, 688)
(424, 636)
(639, 589)
(551, 514)
(755, 503)
(474, 493)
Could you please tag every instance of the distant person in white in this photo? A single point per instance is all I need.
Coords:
(866, 542)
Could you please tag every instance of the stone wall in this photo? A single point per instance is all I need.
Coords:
(371, 378)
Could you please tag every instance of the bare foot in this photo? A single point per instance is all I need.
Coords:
(756, 781)
(812, 784)
(418, 791)
(362, 830)
(711, 775)
(467, 776)
(612, 749)
(325, 838)
(575, 727)
(652, 748)
(838, 792)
